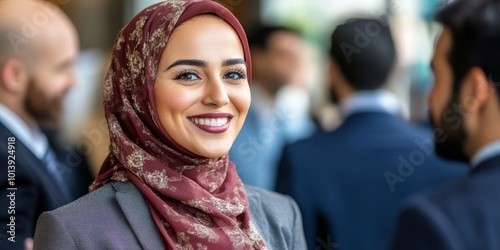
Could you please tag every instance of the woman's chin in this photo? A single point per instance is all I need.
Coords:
(210, 148)
(212, 153)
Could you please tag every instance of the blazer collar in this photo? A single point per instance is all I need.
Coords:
(136, 211)
(371, 101)
(488, 165)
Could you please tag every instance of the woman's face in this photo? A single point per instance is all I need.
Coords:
(201, 89)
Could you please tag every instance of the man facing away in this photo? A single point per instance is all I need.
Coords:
(349, 183)
(465, 107)
(38, 48)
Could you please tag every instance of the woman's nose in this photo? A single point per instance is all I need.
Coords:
(215, 93)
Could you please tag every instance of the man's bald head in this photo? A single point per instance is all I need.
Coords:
(38, 47)
(27, 25)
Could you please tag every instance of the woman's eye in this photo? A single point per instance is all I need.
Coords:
(187, 76)
(234, 75)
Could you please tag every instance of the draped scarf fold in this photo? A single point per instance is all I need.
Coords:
(196, 202)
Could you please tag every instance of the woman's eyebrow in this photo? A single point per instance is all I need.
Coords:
(200, 63)
(189, 62)
(230, 62)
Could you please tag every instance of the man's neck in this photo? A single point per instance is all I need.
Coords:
(485, 134)
(22, 114)
(380, 101)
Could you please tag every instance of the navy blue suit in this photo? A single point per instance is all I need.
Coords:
(349, 183)
(464, 215)
(36, 188)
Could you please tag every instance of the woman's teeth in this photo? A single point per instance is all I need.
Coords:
(213, 122)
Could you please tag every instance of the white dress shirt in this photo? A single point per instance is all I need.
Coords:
(485, 153)
(32, 138)
(371, 101)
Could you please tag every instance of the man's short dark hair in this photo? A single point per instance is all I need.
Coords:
(259, 35)
(475, 27)
(364, 51)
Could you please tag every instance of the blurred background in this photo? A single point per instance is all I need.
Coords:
(98, 22)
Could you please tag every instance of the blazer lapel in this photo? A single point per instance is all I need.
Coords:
(257, 215)
(137, 213)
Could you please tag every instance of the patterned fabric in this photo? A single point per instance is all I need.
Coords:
(196, 202)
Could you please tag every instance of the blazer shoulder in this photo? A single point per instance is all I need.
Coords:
(467, 193)
(101, 198)
(102, 202)
(68, 226)
(92, 221)
(269, 199)
(449, 216)
(277, 218)
(424, 225)
(312, 141)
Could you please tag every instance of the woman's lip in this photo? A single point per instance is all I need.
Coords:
(212, 125)
(212, 115)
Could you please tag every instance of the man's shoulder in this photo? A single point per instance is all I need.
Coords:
(348, 139)
(315, 140)
(398, 128)
(461, 215)
(465, 200)
(475, 186)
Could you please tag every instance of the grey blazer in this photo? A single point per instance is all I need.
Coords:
(117, 217)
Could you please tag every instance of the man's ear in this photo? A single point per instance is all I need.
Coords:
(333, 71)
(337, 78)
(13, 75)
(478, 91)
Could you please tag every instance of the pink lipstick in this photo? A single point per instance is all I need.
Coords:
(215, 123)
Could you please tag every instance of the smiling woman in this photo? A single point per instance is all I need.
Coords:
(203, 96)
(176, 96)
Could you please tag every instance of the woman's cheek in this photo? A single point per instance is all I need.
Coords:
(242, 100)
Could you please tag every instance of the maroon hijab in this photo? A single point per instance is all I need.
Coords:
(196, 202)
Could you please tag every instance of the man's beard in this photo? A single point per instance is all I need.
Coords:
(332, 95)
(40, 107)
(451, 144)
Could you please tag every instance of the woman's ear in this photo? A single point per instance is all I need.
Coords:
(13, 75)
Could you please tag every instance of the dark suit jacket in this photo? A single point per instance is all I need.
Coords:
(36, 192)
(349, 183)
(117, 217)
(464, 215)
